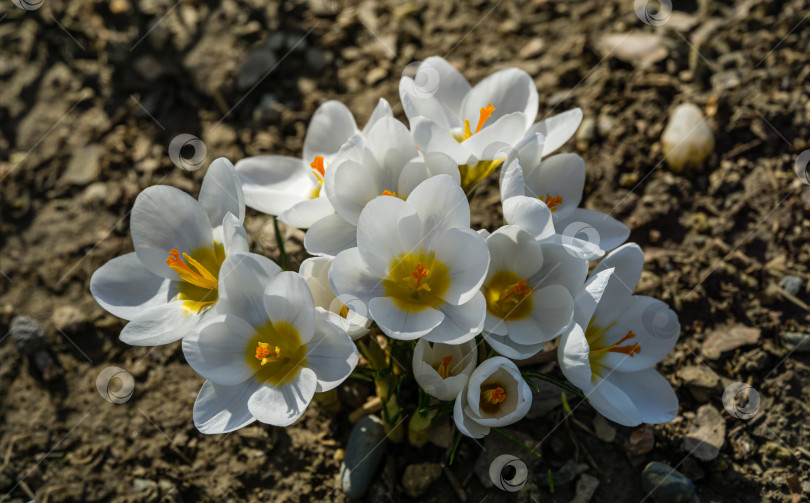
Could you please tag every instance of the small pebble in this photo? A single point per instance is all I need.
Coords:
(604, 430)
(640, 442)
(791, 284)
(707, 434)
(417, 478)
(364, 452)
(586, 486)
(29, 339)
(687, 140)
(665, 484)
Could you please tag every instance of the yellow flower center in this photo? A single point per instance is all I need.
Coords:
(471, 175)
(319, 170)
(552, 202)
(599, 349)
(492, 396)
(275, 353)
(508, 296)
(417, 281)
(484, 114)
(444, 367)
(198, 273)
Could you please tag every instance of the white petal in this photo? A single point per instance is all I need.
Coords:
(331, 354)
(331, 125)
(330, 236)
(383, 109)
(505, 346)
(218, 348)
(497, 140)
(165, 218)
(391, 143)
(553, 309)
(465, 254)
(656, 329)
(559, 175)
(441, 205)
(429, 136)
(352, 281)
(234, 235)
(387, 228)
(588, 298)
(426, 356)
(651, 393)
(465, 424)
(287, 298)
(561, 268)
(573, 355)
(436, 87)
(628, 262)
(283, 405)
(273, 184)
(512, 182)
(510, 90)
(159, 325)
(222, 409)
(558, 129)
(315, 271)
(531, 214)
(513, 249)
(242, 280)
(221, 192)
(595, 227)
(418, 170)
(403, 325)
(125, 287)
(461, 323)
(304, 214)
(613, 403)
(350, 185)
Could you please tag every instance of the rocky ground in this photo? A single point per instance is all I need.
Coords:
(92, 94)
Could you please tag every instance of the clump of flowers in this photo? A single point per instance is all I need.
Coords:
(399, 289)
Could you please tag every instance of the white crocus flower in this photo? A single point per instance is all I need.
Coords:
(557, 181)
(290, 188)
(476, 125)
(384, 161)
(529, 289)
(267, 352)
(417, 266)
(171, 280)
(442, 370)
(616, 341)
(315, 272)
(496, 395)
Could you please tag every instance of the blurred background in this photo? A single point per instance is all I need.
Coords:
(94, 94)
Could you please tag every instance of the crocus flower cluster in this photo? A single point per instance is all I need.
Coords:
(395, 264)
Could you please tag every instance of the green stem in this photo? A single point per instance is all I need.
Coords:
(455, 448)
(557, 382)
(280, 244)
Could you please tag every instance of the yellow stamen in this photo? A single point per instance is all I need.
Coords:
(419, 274)
(444, 367)
(508, 296)
(318, 168)
(630, 350)
(389, 193)
(484, 114)
(199, 276)
(416, 281)
(267, 354)
(493, 396)
(344, 311)
(552, 202)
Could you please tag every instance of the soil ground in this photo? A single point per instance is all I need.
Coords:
(93, 92)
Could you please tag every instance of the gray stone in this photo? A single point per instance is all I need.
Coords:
(255, 66)
(84, 166)
(364, 452)
(569, 471)
(417, 478)
(791, 284)
(707, 434)
(604, 430)
(586, 486)
(728, 338)
(269, 109)
(666, 485)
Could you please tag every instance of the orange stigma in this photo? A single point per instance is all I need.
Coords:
(484, 114)
(418, 278)
(318, 168)
(267, 354)
(516, 292)
(389, 193)
(444, 367)
(494, 396)
(198, 276)
(630, 350)
(552, 202)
